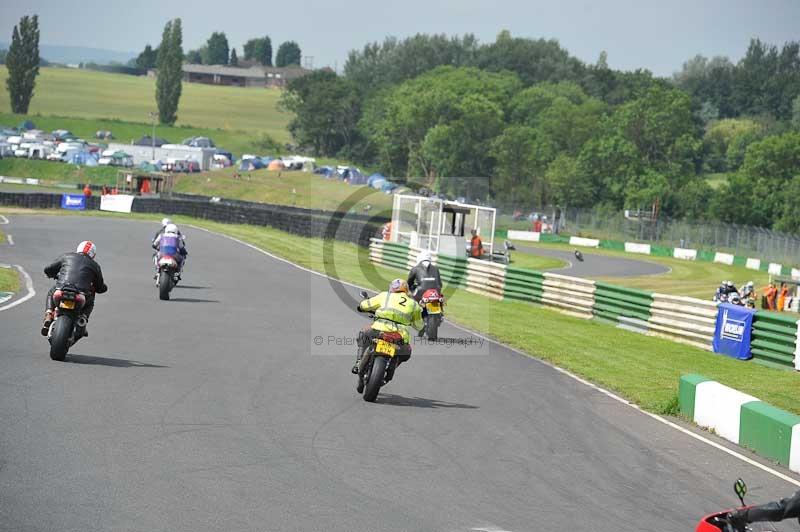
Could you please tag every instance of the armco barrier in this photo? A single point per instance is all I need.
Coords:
(486, 278)
(684, 319)
(774, 339)
(742, 419)
(571, 295)
(523, 285)
(626, 307)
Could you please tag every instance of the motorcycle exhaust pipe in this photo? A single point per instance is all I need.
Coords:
(82, 321)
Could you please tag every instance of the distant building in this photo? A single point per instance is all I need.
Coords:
(254, 76)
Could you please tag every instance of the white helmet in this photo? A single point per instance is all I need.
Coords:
(171, 228)
(165, 222)
(749, 284)
(88, 248)
(423, 256)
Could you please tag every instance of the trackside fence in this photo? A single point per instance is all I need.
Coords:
(775, 338)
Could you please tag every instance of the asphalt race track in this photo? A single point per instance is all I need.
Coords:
(595, 265)
(218, 411)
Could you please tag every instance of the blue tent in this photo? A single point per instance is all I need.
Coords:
(327, 171)
(83, 158)
(378, 183)
(353, 176)
(248, 165)
(374, 177)
(388, 186)
(27, 125)
(266, 160)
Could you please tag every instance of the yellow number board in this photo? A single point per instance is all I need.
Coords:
(67, 304)
(385, 348)
(434, 307)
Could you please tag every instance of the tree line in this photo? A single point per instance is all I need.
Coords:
(217, 51)
(531, 125)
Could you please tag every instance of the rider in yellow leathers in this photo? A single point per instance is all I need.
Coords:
(394, 311)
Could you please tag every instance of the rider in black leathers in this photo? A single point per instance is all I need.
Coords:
(423, 276)
(77, 269)
(772, 511)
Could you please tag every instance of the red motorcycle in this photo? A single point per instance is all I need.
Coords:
(433, 302)
(719, 520)
(69, 323)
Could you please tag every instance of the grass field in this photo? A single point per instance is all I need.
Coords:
(9, 279)
(536, 262)
(100, 96)
(685, 278)
(301, 189)
(641, 368)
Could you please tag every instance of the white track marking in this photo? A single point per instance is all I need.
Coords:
(3, 220)
(10, 240)
(28, 287)
(605, 392)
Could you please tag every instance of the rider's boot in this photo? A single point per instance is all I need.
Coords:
(47, 322)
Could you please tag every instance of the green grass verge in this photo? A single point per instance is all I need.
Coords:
(641, 368)
(9, 279)
(521, 259)
(96, 96)
(685, 278)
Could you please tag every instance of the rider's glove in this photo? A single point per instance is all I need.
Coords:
(737, 519)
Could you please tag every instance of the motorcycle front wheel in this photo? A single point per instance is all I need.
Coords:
(59, 339)
(375, 381)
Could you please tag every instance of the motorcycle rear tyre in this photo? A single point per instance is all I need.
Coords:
(432, 327)
(164, 285)
(59, 340)
(375, 381)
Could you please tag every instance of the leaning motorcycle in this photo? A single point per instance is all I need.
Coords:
(69, 323)
(168, 275)
(433, 302)
(378, 362)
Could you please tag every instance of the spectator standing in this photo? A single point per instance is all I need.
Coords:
(770, 294)
(476, 245)
(782, 297)
(87, 191)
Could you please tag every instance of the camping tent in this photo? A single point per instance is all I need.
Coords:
(378, 183)
(374, 177)
(275, 164)
(248, 165)
(83, 157)
(388, 186)
(154, 166)
(327, 171)
(27, 125)
(147, 140)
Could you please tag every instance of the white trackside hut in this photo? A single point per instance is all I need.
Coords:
(441, 226)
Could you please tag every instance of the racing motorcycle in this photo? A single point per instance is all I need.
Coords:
(433, 302)
(719, 520)
(69, 323)
(378, 361)
(579, 255)
(169, 273)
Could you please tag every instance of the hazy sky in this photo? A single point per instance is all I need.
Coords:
(658, 35)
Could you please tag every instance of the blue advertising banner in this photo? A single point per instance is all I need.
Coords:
(74, 202)
(732, 335)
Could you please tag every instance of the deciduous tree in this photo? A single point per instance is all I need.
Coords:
(288, 54)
